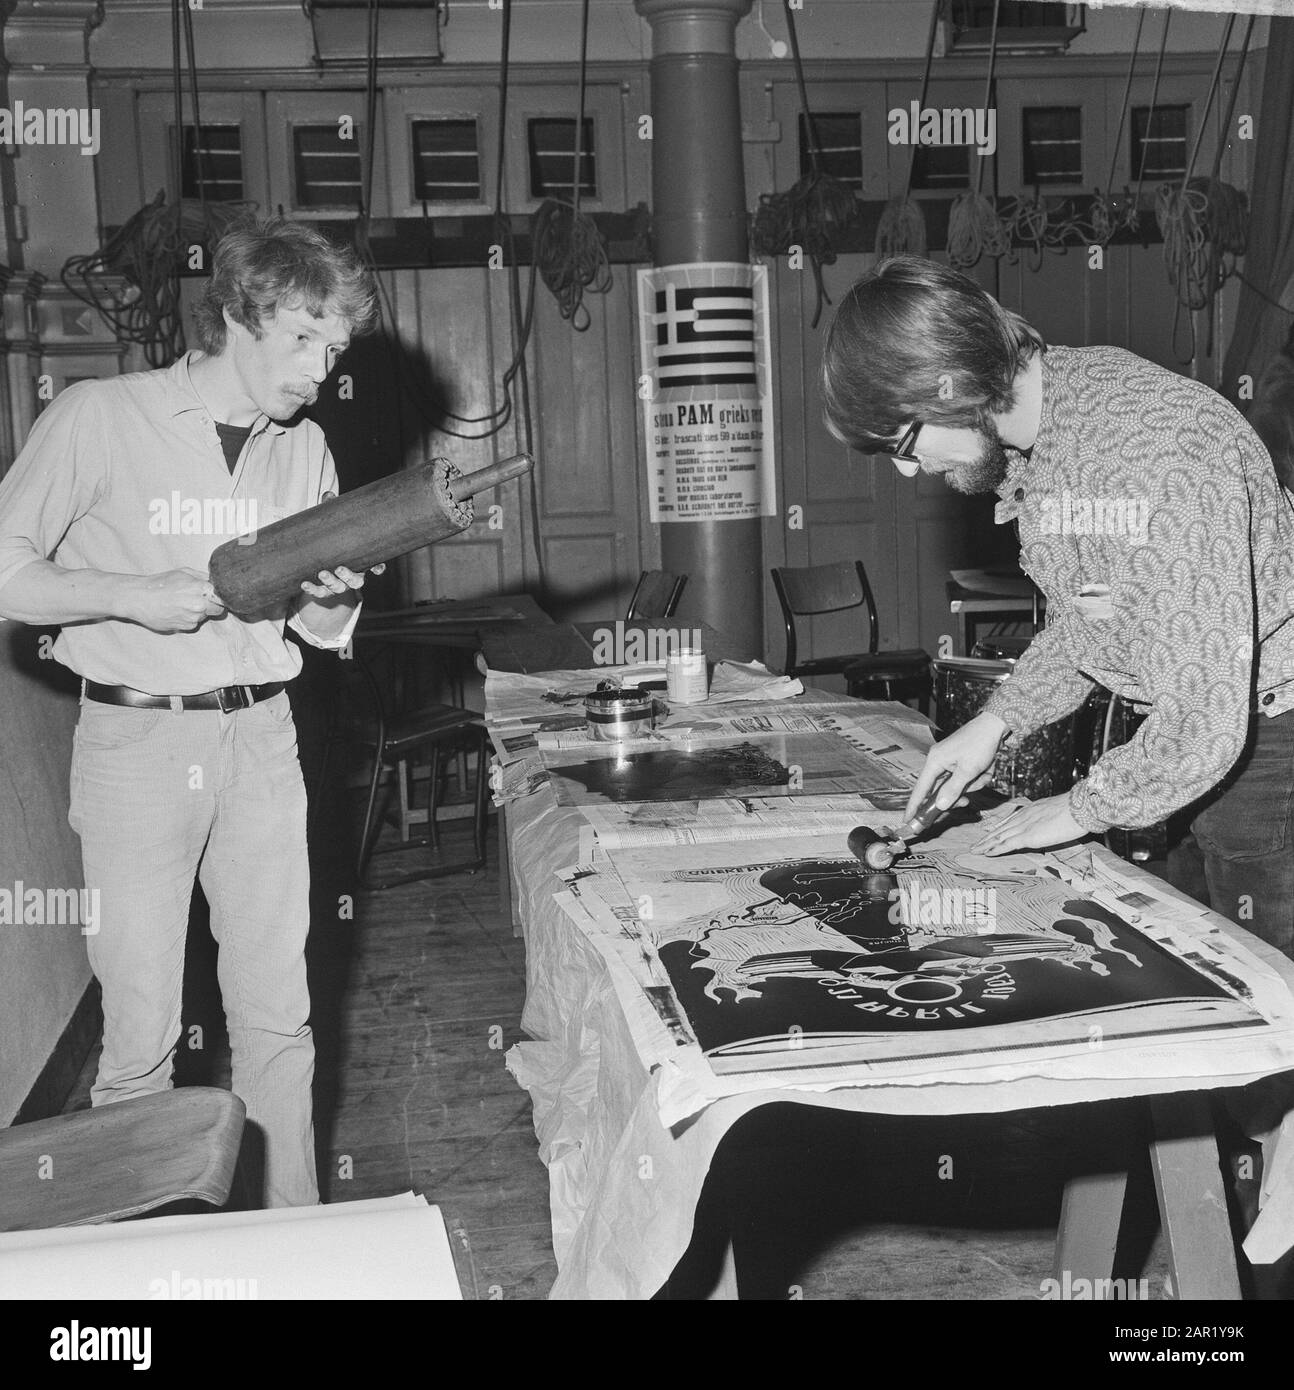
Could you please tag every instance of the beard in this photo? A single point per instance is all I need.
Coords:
(987, 472)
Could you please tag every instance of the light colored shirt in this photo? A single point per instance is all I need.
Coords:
(1151, 517)
(127, 475)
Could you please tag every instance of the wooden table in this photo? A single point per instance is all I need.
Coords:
(570, 998)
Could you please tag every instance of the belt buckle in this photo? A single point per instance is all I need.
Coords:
(243, 698)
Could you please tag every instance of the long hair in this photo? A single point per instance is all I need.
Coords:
(264, 263)
(915, 340)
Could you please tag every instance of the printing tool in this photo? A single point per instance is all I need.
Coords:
(878, 850)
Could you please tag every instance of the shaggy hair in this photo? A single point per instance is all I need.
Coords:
(915, 340)
(264, 263)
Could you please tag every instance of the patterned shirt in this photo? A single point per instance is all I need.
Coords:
(1151, 517)
(126, 475)
(1272, 414)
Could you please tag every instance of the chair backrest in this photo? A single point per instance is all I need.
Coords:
(806, 590)
(656, 595)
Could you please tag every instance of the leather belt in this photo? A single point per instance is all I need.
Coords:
(226, 699)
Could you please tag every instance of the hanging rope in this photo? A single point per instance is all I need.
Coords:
(1204, 222)
(522, 321)
(146, 251)
(566, 244)
(1134, 212)
(1104, 213)
(901, 230)
(515, 382)
(152, 247)
(974, 227)
(497, 419)
(815, 212)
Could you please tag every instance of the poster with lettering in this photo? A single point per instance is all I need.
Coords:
(706, 390)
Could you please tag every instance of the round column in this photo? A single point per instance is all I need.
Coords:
(699, 214)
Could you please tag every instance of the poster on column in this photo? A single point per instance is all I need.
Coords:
(706, 391)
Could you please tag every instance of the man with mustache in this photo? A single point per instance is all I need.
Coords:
(1188, 612)
(185, 762)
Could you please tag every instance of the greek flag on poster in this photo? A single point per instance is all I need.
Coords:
(705, 336)
(706, 391)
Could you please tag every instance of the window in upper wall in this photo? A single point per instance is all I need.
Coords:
(840, 136)
(1024, 26)
(1051, 145)
(446, 161)
(219, 155)
(327, 169)
(936, 167)
(1160, 140)
(552, 158)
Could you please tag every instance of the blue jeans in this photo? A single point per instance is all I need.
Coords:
(1246, 832)
(160, 798)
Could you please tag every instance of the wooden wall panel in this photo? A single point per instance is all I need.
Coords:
(467, 568)
(581, 577)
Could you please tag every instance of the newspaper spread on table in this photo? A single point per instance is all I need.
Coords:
(767, 954)
(775, 962)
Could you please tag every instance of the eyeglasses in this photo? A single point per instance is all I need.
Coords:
(902, 452)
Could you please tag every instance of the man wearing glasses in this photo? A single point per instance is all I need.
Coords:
(1151, 517)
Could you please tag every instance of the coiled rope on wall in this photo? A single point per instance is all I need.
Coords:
(974, 227)
(815, 211)
(901, 230)
(1204, 221)
(566, 245)
(151, 248)
(1105, 216)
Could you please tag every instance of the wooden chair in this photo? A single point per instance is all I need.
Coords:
(869, 673)
(115, 1161)
(393, 740)
(656, 595)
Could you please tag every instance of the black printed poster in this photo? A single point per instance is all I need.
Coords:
(818, 951)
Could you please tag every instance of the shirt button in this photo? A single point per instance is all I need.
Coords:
(1269, 698)
(1019, 494)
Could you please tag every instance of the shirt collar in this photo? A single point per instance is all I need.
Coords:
(1015, 486)
(184, 398)
(1013, 491)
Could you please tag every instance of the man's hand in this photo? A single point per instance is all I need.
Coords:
(967, 754)
(1043, 824)
(174, 601)
(324, 608)
(333, 583)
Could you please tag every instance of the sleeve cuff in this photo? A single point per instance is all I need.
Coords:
(1080, 808)
(327, 644)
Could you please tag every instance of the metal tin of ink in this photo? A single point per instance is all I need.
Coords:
(613, 715)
